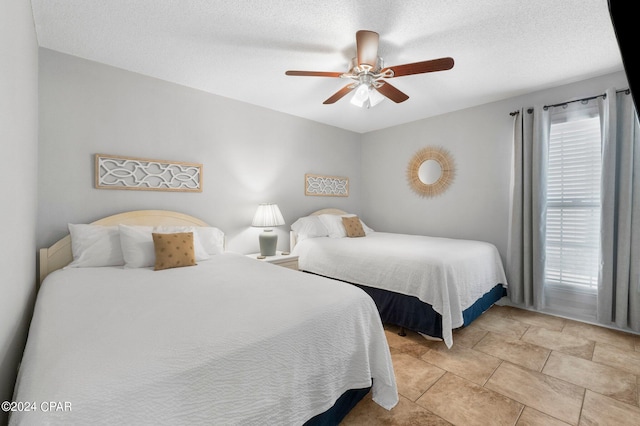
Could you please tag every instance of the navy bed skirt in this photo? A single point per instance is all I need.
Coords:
(413, 314)
(334, 415)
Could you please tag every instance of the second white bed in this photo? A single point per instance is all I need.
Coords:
(449, 274)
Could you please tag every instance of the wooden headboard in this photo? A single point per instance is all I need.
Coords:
(328, 211)
(293, 237)
(60, 255)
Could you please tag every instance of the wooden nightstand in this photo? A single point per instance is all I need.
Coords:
(287, 260)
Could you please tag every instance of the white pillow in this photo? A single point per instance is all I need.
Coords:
(309, 227)
(95, 245)
(333, 223)
(209, 238)
(367, 230)
(137, 244)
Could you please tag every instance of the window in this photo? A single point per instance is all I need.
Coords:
(573, 200)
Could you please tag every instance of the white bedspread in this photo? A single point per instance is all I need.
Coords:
(231, 341)
(449, 274)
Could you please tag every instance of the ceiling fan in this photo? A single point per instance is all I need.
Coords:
(369, 73)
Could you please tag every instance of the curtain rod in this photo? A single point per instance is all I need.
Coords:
(604, 96)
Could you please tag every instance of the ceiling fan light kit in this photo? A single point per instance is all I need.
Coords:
(368, 72)
(366, 96)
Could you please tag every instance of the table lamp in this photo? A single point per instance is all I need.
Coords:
(268, 216)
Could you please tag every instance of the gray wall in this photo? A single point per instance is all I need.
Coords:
(476, 205)
(250, 154)
(19, 138)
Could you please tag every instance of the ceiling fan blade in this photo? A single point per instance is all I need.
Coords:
(314, 73)
(441, 64)
(392, 93)
(339, 94)
(367, 47)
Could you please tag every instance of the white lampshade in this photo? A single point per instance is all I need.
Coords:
(360, 96)
(375, 97)
(268, 215)
(366, 96)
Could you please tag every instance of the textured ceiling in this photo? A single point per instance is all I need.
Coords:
(241, 49)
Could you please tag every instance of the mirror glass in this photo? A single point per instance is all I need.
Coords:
(429, 172)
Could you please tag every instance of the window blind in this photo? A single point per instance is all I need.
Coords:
(573, 203)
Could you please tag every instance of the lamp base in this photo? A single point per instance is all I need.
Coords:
(268, 242)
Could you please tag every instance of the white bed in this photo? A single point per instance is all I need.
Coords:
(228, 341)
(448, 275)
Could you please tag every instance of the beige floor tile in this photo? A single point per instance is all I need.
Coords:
(537, 319)
(549, 395)
(413, 376)
(464, 362)
(501, 324)
(503, 310)
(599, 378)
(406, 413)
(517, 352)
(627, 360)
(464, 403)
(603, 411)
(531, 417)
(393, 339)
(558, 341)
(468, 336)
(616, 338)
(581, 359)
(394, 351)
(412, 343)
(414, 350)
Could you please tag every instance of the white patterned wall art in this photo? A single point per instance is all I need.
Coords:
(331, 186)
(114, 172)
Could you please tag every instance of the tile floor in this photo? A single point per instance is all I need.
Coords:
(513, 367)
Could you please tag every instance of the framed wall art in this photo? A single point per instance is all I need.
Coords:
(328, 186)
(116, 172)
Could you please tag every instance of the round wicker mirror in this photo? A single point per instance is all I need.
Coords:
(431, 171)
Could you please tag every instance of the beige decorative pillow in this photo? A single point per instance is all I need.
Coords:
(173, 250)
(353, 226)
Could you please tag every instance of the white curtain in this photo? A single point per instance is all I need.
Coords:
(526, 251)
(619, 278)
